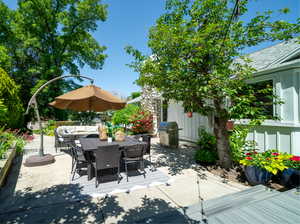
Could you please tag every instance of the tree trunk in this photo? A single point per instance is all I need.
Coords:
(222, 137)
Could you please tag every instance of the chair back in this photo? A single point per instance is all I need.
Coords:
(107, 156)
(77, 152)
(147, 139)
(92, 136)
(134, 151)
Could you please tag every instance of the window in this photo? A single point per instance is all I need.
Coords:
(264, 99)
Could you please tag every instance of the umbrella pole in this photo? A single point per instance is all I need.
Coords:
(41, 150)
(43, 159)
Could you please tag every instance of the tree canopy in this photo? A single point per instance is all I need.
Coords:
(11, 109)
(44, 39)
(194, 46)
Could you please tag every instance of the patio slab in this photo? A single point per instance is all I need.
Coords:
(30, 191)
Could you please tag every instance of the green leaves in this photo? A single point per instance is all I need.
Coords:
(46, 38)
(194, 46)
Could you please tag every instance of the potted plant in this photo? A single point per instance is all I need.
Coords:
(291, 176)
(259, 167)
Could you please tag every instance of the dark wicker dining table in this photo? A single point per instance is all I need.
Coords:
(89, 145)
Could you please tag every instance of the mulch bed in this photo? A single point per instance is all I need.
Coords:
(236, 174)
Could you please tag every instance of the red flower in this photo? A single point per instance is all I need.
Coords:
(275, 154)
(248, 154)
(255, 152)
(249, 158)
(295, 158)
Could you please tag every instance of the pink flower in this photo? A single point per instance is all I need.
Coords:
(275, 154)
(296, 158)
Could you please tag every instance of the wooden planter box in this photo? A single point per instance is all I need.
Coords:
(5, 165)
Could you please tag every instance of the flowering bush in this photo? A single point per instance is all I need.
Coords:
(12, 138)
(142, 122)
(293, 162)
(270, 160)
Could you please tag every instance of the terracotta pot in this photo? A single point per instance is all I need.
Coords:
(189, 114)
(230, 125)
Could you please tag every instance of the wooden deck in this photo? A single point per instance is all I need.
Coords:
(257, 205)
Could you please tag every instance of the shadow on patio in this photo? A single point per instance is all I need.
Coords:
(176, 160)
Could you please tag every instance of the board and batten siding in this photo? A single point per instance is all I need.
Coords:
(189, 125)
(284, 134)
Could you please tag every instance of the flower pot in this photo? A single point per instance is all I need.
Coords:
(189, 114)
(290, 177)
(256, 175)
(229, 125)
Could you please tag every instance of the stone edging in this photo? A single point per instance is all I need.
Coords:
(5, 165)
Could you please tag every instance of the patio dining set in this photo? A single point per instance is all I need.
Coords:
(102, 157)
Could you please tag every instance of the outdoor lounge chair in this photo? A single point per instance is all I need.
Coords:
(134, 154)
(107, 157)
(62, 142)
(92, 136)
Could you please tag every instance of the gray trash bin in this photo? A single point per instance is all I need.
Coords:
(168, 134)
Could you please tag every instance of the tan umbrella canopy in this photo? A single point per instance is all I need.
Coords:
(88, 98)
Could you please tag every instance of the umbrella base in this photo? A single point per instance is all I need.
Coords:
(39, 160)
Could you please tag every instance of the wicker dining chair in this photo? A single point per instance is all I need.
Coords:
(134, 154)
(79, 160)
(107, 157)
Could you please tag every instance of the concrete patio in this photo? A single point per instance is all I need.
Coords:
(45, 195)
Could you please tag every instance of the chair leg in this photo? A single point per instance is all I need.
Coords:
(119, 173)
(96, 177)
(126, 171)
(74, 170)
(143, 165)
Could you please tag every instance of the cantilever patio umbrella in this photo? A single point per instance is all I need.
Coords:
(88, 98)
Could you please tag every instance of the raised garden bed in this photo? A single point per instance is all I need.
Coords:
(5, 165)
(237, 175)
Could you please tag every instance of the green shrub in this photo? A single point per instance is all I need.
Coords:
(11, 106)
(49, 129)
(207, 148)
(123, 117)
(238, 143)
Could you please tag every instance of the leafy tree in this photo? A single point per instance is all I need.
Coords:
(134, 95)
(11, 108)
(46, 38)
(123, 116)
(194, 46)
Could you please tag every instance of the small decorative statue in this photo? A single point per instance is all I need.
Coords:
(120, 136)
(102, 133)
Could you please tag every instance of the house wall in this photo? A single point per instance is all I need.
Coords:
(283, 134)
(188, 125)
(151, 102)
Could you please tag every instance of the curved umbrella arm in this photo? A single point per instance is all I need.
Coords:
(32, 100)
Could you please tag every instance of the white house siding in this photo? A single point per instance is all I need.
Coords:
(188, 125)
(285, 138)
(285, 133)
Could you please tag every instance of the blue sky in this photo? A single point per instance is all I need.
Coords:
(128, 23)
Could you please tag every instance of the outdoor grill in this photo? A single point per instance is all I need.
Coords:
(168, 134)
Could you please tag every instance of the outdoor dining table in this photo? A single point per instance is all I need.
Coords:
(89, 145)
